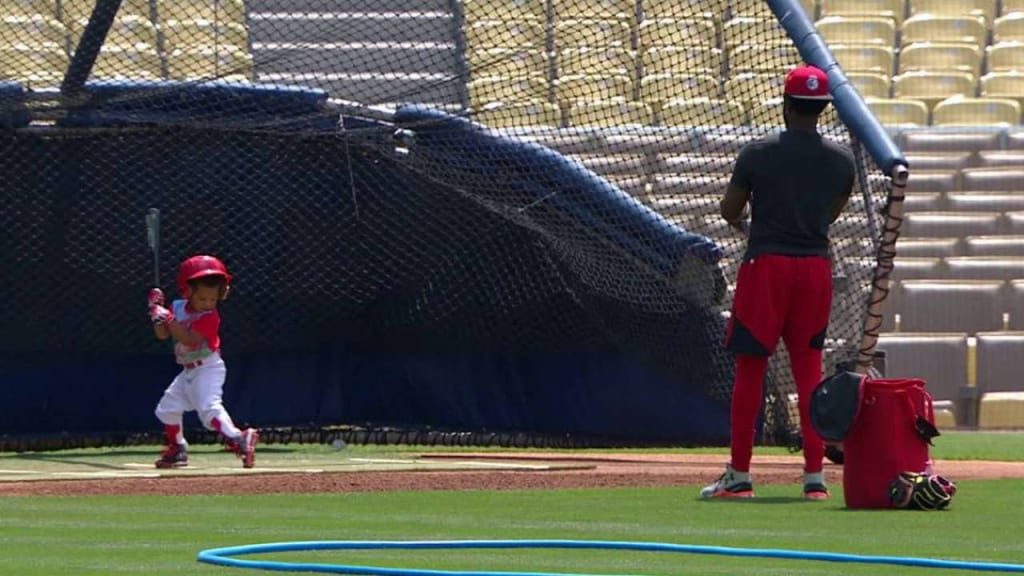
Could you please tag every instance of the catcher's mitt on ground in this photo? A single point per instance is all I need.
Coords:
(921, 491)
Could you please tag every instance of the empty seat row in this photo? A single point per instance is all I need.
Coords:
(962, 224)
(910, 247)
(73, 13)
(987, 267)
(127, 31)
(930, 56)
(475, 10)
(955, 305)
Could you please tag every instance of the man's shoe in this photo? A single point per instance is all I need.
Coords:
(814, 486)
(731, 484)
(173, 457)
(247, 446)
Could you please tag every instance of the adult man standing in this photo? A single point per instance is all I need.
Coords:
(797, 184)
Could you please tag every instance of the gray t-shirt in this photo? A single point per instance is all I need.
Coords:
(795, 178)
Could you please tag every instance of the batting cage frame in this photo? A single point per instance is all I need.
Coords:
(424, 272)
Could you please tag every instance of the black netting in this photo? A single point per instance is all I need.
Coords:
(344, 220)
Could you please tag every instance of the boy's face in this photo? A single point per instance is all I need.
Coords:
(204, 297)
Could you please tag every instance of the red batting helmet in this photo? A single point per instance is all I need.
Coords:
(199, 266)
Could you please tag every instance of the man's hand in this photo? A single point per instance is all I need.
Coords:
(155, 297)
(741, 226)
(160, 315)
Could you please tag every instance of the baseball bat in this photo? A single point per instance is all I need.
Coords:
(153, 237)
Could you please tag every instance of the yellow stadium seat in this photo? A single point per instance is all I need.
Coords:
(702, 112)
(871, 85)
(1006, 57)
(216, 10)
(763, 58)
(522, 33)
(656, 89)
(584, 87)
(677, 32)
(520, 115)
(1001, 410)
(507, 89)
(594, 9)
(1011, 6)
(684, 8)
(598, 114)
(676, 60)
(976, 112)
(871, 59)
(857, 30)
(507, 62)
(941, 57)
(596, 61)
(184, 34)
(760, 9)
(513, 10)
(1008, 28)
(747, 30)
(207, 63)
(45, 8)
(592, 33)
(932, 87)
(72, 11)
(1003, 85)
(893, 112)
(127, 63)
(769, 113)
(754, 88)
(975, 8)
(32, 31)
(42, 80)
(126, 31)
(925, 28)
(892, 9)
(22, 61)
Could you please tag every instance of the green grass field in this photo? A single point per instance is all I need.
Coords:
(159, 536)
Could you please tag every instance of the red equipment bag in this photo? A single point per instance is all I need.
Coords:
(891, 434)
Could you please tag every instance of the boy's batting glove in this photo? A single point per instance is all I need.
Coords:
(155, 297)
(160, 315)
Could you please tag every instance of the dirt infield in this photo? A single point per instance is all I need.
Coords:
(603, 471)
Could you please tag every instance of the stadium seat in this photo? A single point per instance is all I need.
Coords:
(941, 57)
(635, 186)
(1001, 410)
(475, 10)
(976, 112)
(216, 10)
(585, 87)
(127, 31)
(898, 113)
(754, 88)
(677, 32)
(1007, 179)
(933, 87)
(933, 181)
(985, 267)
(186, 34)
(949, 141)
(44, 8)
(999, 159)
(924, 202)
(760, 9)
(699, 183)
(918, 268)
(676, 9)
(702, 112)
(745, 30)
(699, 163)
(940, 359)
(912, 247)
(522, 33)
(870, 59)
(925, 28)
(204, 63)
(507, 89)
(951, 224)
(1005, 56)
(596, 61)
(656, 89)
(21, 61)
(950, 161)
(999, 245)
(952, 305)
(1015, 297)
(508, 62)
(871, 85)
(594, 9)
(520, 114)
(682, 60)
(770, 58)
(1015, 222)
(1011, 6)
(873, 30)
(892, 9)
(606, 164)
(73, 11)
(987, 201)
(32, 31)
(1003, 85)
(116, 62)
(1008, 28)
(975, 8)
(609, 114)
(592, 33)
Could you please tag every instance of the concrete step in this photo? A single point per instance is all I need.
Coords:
(256, 6)
(355, 58)
(348, 28)
(376, 88)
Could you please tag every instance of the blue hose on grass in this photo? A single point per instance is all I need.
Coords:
(223, 556)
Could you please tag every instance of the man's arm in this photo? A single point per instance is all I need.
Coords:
(840, 203)
(733, 205)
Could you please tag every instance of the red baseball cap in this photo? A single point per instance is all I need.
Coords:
(807, 83)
